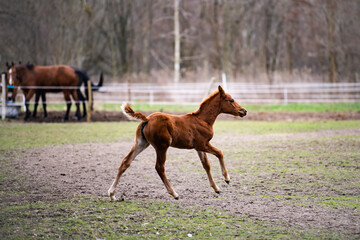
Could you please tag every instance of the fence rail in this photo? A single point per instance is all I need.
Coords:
(190, 93)
(193, 93)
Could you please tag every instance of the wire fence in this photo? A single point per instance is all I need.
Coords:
(193, 93)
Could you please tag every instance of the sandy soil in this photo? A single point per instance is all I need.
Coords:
(62, 172)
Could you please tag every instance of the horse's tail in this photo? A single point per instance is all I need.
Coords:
(96, 87)
(83, 77)
(129, 112)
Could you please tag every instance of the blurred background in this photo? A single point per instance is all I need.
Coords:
(266, 41)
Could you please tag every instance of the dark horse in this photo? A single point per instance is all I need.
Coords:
(47, 78)
(191, 131)
(83, 80)
(9, 82)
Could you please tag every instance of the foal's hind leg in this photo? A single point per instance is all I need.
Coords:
(139, 146)
(206, 164)
(160, 168)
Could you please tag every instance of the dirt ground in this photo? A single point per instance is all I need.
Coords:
(62, 172)
(90, 168)
(98, 116)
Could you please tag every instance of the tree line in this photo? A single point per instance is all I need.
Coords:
(236, 37)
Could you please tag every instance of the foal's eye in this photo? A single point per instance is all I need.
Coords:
(232, 100)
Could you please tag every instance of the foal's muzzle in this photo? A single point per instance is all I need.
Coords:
(242, 112)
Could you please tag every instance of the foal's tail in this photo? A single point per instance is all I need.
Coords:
(129, 112)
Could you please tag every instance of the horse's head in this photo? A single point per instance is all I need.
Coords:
(229, 105)
(10, 73)
(15, 75)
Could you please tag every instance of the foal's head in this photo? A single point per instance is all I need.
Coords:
(228, 104)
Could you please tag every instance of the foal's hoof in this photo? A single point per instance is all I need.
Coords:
(227, 181)
(176, 196)
(112, 197)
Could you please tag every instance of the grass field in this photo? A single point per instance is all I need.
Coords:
(314, 166)
(300, 107)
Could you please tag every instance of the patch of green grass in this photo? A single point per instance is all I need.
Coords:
(16, 135)
(145, 107)
(304, 107)
(295, 107)
(91, 218)
(323, 169)
(339, 201)
(250, 127)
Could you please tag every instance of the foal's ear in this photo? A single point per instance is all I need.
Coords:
(221, 91)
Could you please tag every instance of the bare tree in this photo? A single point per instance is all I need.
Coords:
(177, 42)
(240, 37)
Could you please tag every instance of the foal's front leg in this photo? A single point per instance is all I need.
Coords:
(218, 153)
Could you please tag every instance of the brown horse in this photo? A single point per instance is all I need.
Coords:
(9, 80)
(83, 79)
(191, 131)
(48, 79)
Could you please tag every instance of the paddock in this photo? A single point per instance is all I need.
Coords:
(300, 178)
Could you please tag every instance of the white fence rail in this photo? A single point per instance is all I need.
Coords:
(193, 93)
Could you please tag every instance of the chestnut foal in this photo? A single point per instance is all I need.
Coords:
(193, 130)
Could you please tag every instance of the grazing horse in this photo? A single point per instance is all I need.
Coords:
(48, 78)
(191, 131)
(83, 79)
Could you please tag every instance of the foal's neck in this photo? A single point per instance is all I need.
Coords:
(209, 110)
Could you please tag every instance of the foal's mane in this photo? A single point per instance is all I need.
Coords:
(205, 102)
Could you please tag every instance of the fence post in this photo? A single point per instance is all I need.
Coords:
(151, 97)
(285, 96)
(211, 83)
(89, 101)
(3, 96)
(224, 82)
(129, 91)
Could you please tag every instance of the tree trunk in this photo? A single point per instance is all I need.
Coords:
(331, 35)
(177, 42)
